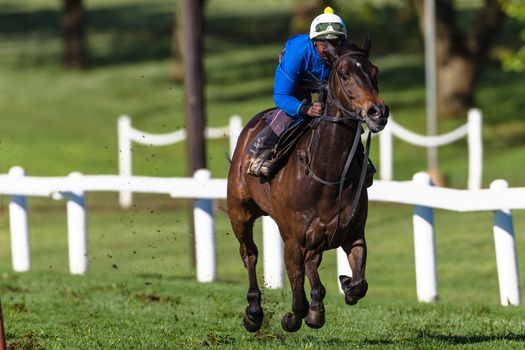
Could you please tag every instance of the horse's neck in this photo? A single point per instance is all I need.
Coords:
(334, 141)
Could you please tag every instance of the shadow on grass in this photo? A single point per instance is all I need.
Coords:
(132, 33)
(136, 32)
(500, 95)
(423, 338)
(475, 339)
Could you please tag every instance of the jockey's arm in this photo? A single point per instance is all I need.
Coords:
(284, 87)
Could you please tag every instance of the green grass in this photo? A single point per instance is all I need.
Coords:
(140, 291)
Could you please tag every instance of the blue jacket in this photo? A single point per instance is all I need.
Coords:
(299, 60)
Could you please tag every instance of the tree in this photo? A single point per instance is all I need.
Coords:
(303, 12)
(192, 56)
(461, 54)
(74, 34)
(514, 60)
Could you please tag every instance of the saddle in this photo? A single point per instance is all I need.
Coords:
(288, 137)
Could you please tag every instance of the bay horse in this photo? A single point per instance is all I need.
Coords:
(317, 198)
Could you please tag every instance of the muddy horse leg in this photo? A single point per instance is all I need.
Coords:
(355, 287)
(243, 228)
(294, 260)
(315, 317)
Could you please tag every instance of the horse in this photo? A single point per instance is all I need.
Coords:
(317, 197)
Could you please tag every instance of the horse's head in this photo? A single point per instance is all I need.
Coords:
(353, 85)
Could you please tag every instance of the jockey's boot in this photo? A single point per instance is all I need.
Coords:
(261, 152)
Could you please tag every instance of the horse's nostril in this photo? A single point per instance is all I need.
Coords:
(374, 111)
(378, 111)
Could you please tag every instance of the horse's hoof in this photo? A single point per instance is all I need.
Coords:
(252, 321)
(351, 300)
(354, 293)
(315, 319)
(290, 323)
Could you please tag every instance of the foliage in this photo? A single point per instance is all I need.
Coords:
(514, 60)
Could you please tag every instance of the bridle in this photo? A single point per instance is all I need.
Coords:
(348, 114)
(353, 114)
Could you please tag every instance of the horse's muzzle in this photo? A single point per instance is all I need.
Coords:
(377, 117)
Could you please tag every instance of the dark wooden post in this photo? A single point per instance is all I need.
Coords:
(3, 344)
(194, 89)
(194, 84)
(74, 29)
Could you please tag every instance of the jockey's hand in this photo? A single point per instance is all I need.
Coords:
(313, 110)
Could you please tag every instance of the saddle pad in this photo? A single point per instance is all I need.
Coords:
(277, 120)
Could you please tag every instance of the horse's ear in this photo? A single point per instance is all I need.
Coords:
(367, 44)
(332, 52)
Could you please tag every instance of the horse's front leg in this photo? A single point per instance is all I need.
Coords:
(316, 313)
(355, 287)
(294, 260)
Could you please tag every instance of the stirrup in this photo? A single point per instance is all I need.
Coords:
(259, 165)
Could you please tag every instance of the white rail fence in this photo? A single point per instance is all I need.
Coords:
(127, 135)
(202, 187)
(472, 130)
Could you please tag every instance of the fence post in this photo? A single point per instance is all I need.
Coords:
(475, 149)
(343, 267)
(235, 130)
(204, 233)
(273, 253)
(76, 228)
(18, 221)
(124, 157)
(506, 258)
(424, 247)
(385, 152)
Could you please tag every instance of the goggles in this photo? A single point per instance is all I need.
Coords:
(336, 27)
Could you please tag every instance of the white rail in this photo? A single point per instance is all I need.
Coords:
(472, 130)
(418, 192)
(127, 134)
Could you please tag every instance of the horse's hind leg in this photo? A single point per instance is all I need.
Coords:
(315, 317)
(294, 259)
(243, 228)
(355, 287)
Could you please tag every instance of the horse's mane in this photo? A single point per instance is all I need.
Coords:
(350, 46)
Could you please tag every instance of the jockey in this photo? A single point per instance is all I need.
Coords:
(303, 59)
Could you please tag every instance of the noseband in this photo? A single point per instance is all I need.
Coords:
(353, 114)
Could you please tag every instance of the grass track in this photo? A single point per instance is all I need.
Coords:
(141, 291)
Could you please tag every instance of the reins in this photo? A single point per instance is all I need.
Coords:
(353, 115)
